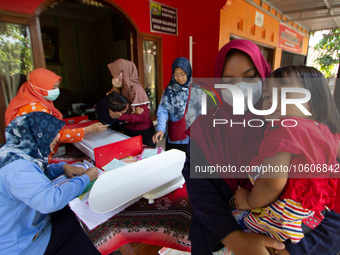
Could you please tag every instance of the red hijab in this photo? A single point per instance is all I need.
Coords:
(226, 145)
(42, 80)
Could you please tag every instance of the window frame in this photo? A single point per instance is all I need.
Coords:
(33, 24)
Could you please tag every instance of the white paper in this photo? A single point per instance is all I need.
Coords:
(89, 217)
(113, 164)
(95, 140)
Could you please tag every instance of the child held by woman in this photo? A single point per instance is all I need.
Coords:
(286, 205)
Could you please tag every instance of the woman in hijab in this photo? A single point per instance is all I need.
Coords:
(180, 104)
(28, 198)
(126, 81)
(38, 94)
(231, 146)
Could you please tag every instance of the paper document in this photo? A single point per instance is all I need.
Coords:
(63, 178)
(149, 152)
(115, 163)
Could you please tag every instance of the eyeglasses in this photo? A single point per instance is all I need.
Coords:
(176, 75)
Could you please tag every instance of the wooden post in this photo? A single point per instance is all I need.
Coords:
(2, 115)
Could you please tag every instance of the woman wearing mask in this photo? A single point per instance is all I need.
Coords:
(180, 104)
(38, 94)
(126, 82)
(239, 63)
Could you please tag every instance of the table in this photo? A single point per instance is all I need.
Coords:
(164, 223)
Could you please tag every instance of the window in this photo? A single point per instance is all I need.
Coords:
(16, 60)
(151, 74)
(19, 39)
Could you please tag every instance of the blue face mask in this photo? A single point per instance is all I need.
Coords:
(52, 94)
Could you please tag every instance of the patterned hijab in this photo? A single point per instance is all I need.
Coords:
(175, 96)
(130, 81)
(40, 78)
(29, 137)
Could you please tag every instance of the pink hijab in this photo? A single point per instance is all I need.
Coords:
(130, 81)
(247, 47)
(227, 145)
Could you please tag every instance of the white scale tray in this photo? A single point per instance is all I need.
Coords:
(94, 140)
(149, 178)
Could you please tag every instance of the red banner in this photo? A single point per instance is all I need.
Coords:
(290, 39)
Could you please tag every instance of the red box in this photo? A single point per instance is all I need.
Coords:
(129, 147)
(74, 122)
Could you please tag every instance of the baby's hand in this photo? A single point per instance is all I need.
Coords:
(115, 115)
(139, 110)
(241, 199)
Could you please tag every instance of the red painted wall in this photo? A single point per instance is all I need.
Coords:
(139, 12)
(23, 6)
(200, 19)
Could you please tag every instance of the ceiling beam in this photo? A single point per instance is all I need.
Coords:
(312, 17)
(329, 28)
(311, 9)
(331, 12)
(327, 11)
(272, 15)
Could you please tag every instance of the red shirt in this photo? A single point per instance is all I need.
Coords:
(313, 148)
(138, 121)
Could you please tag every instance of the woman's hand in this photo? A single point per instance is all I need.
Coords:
(139, 110)
(132, 95)
(95, 128)
(241, 199)
(157, 137)
(273, 251)
(92, 173)
(71, 171)
(241, 243)
(54, 143)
